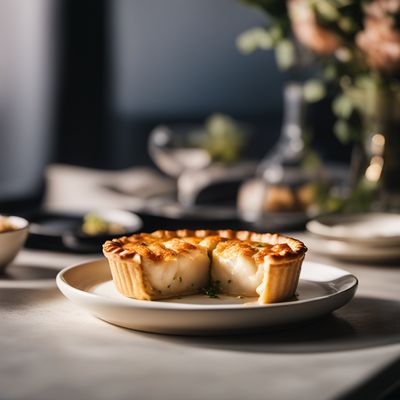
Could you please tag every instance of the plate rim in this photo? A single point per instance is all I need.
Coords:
(157, 305)
(379, 253)
(318, 227)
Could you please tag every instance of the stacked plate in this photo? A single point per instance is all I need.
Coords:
(372, 237)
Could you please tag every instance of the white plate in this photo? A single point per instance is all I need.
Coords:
(351, 251)
(322, 289)
(379, 229)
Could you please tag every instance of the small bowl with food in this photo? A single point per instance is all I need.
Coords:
(99, 226)
(13, 233)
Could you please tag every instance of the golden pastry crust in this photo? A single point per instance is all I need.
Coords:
(147, 246)
(256, 250)
(148, 267)
(281, 247)
(278, 257)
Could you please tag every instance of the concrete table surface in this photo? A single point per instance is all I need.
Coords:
(52, 349)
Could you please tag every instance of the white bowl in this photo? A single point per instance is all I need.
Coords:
(12, 241)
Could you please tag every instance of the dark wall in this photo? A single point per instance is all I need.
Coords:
(82, 112)
(128, 65)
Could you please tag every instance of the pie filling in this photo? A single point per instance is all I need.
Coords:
(185, 273)
(159, 265)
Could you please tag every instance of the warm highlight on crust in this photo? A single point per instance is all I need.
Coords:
(151, 244)
(146, 245)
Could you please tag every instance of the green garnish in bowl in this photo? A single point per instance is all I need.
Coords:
(93, 225)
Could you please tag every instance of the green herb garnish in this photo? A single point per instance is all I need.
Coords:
(94, 224)
(212, 290)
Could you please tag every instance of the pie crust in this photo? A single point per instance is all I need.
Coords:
(165, 264)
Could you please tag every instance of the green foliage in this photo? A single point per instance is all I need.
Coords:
(344, 17)
(223, 138)
(329, 72)
(285, 54)
(347, 25)
(342, 130)
(348, 130)
(346, 67)
(314, 90)
(254, 39)
(327, 10)
(276, 33)
(343, 106)
(312, 161)
(361, 197)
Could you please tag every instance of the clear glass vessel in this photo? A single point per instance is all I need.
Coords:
(284, 190)
(376, 159)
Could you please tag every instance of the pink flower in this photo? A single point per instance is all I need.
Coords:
(381, 8)
(308, 32)
(380, 40)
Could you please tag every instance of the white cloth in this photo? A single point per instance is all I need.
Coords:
(78, 189)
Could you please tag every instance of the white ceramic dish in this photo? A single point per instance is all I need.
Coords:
(379, 229)
(321, 290)
(12, 241)
(351, 251)
(128, 220)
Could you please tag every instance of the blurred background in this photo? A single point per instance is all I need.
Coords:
(84, 83)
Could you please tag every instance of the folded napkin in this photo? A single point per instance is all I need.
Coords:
(78, 189)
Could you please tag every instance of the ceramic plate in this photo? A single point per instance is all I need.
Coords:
(350, 251)
(321, 290)
(379, 229)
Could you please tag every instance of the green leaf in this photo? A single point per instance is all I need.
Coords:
(342, 106)
(330, 72)
(347, 24)
(314, 90)
(343, 3)
(342, 131)
(253, 39)
(327, 10)
(276, 32)
(312, 161)
(365, 82)
(224, 138)
(285, 54)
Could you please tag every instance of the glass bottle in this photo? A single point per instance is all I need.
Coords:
(283, 191)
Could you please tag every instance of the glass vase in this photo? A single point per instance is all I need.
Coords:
(376, 159)
(284, 192)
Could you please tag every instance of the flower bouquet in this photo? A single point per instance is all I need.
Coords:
(353, 48)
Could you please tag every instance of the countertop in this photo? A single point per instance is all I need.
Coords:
(52, 349)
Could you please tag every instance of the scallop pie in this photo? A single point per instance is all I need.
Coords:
(166, 264)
